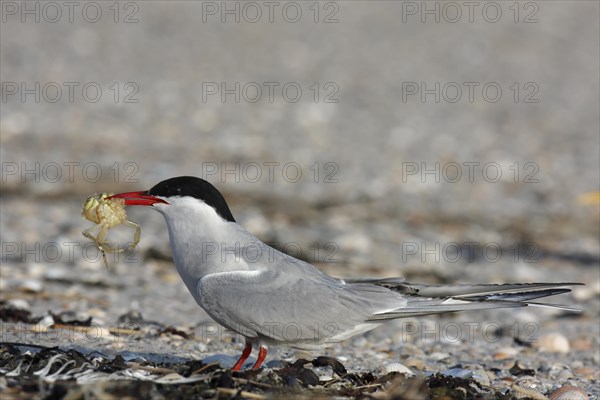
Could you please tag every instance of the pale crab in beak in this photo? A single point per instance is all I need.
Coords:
(107, 210)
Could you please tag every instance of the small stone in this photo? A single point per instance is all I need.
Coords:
(553, 343)
(415, 363)
(517, 370)
(505, 353)
(582, 343)
(564, 375)
(97, 314)
(586, 373)
(438, 356)
(200, 347)
(584, 293)
(558, 369)
(31, 285)
(19, 304)
(480, 375)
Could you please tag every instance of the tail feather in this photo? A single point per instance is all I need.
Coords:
(516, 296)
(484, 289)
(441, 308)
(424, 299)
(554, 306)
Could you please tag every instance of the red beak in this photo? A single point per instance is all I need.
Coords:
(138, 199)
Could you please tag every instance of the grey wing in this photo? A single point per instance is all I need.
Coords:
(306, 313)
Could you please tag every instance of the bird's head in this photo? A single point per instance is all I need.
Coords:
(178, 194)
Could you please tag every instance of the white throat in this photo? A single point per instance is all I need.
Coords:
(201, 240)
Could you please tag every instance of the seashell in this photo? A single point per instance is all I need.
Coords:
(506, 353)
(175, 378)
(395, 367)
(172, 377)
(568, 393)
(526, 393)
(553, 343)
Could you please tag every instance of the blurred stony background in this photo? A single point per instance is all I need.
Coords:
(378, 158)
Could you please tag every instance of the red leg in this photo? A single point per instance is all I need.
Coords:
(262, 354)
(243, 357)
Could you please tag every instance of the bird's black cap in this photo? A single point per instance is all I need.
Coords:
(194, 187)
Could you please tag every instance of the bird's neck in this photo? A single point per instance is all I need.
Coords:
(203, 243)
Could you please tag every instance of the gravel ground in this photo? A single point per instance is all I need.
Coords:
(386, 165)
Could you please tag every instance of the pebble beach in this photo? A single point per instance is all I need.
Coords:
(441, 142)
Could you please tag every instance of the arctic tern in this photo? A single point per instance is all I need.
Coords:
(272, 298)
